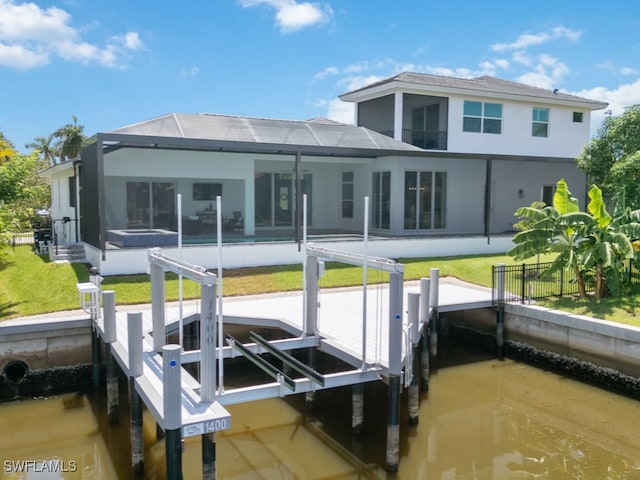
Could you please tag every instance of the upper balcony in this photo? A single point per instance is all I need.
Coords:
(422, 119)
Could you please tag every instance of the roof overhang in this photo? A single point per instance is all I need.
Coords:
(57, 169)
(114, 141)
(396, 86)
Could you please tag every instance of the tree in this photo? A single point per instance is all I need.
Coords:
(584, 241)
(71, 140)
(22, 192)
(6, 149)
(611, 157)
(45, 148)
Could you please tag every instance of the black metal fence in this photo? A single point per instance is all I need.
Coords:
(526, 282)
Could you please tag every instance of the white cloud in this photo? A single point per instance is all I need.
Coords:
(131, 41)
(628, 71)
(31, 35)
(527, 40)
(548, 73)
(190, 72)
(618, 98)
(340, 111)
(18, 57)
(327, 72)
(291, 15)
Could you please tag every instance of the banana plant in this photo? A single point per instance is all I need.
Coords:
(584, 241)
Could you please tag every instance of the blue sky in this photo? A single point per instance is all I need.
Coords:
(119, 62)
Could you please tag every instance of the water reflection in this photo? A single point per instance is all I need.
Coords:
(487, 420)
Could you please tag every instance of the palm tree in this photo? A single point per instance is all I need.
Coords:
(71, 140)
(47, 151)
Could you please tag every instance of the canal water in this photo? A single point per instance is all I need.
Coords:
(484, 420)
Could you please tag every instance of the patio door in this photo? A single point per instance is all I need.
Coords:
(275, 199)
(151, 205)
(381, 200)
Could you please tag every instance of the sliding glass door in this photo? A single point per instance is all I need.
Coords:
(425, 195)
(275, 199)
(381, 200)
(151, 205)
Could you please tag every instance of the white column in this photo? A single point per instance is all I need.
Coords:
(397, 116)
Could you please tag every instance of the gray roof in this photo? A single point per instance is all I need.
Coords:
(318, 132)
(482, 85)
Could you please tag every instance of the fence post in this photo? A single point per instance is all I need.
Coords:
(561, 282)
(523, 283)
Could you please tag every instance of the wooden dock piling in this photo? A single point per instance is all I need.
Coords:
(134, 326)
(110, 336)
(357, 408)
(208, 456)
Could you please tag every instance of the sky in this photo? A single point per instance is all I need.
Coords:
(120, 62)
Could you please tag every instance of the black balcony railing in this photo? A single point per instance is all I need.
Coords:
(427, 139)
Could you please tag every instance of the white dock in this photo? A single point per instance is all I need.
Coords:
(375, 330)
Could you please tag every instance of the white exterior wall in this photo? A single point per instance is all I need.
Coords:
(60, 207)
(135, 260)
(565, 138)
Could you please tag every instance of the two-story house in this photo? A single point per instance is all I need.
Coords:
(493, 144)
(437, 157)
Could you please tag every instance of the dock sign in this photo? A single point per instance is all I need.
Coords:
(209, 426)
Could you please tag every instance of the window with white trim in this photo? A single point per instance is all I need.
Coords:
(540, 124)
(482, 117)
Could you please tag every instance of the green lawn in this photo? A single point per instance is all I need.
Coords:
(31, 284)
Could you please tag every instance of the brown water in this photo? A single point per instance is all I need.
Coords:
(486, 420)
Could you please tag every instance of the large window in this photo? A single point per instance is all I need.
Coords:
(540, 125)
(425, 195)
(482, 117)
(381, 200)
(151, 205)
(275, 199)
(347, 194)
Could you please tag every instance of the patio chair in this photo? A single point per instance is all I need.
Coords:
(236, 222)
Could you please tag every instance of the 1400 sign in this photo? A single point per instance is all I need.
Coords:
(205, 427)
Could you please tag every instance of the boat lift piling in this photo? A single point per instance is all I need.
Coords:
(413, 301)
(434, 324)
(109, 337)
(134, 338)
(425, 287)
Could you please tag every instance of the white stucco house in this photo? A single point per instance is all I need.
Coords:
(444, 162)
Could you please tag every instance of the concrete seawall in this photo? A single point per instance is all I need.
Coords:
(44, 342)
(603, 343)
